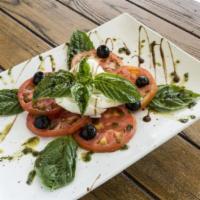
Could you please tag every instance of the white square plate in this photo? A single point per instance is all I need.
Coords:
(103, 166)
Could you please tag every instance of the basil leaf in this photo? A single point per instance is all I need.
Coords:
(117, 88)
(56, 164)
(81, 95)
(9, 104)
(79, 42)
(54, 85)
(171, 98)
(84, 75)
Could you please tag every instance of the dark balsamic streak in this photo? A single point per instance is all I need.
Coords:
(106, 42)
(176, 78)
(162, 55)
(139, 44)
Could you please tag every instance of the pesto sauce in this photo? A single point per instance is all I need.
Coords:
(10, 75)
(53, 63)
(183, 120)
(5, 131)
(31, 142)
(1, 151)
(186, 76)
(31, 177)
(125, 147)
(41, 66)
(3, 81)
(87, 156)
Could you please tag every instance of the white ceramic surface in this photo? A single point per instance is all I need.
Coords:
(102, 167)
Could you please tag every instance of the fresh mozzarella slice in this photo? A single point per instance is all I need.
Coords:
(97, 104)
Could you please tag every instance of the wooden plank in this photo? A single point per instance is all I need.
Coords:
(185, 14)
(16, 43)
(22, 44)
(118, 188)
(102, 11)
(49, 19)
(171, 171)
(193, 133)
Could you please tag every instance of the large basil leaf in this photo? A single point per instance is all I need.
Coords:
(117, 88)
(9, 104)
(56, 164)
(84, 76)
(81, 95)
(79, 42)
(54, 85)
(171, 98)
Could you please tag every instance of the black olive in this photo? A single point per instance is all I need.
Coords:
(42, 122)
(133, 106)
(142, 81)
(88, 132)
(103, 51)
(38, 76)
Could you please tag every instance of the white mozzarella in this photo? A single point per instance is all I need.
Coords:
(97, 104)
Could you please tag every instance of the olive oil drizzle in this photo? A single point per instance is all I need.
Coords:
(162, 55)
(153, 55)
(139, 44)
(147, 117)
(10, 75)
(41, 65)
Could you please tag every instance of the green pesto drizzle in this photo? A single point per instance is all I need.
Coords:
(53, 63)
(87, 156)
(31, 142)
(125, 147)
(41, 66)
(106, 43)
(6, 130)
(10, 75)
(31, 177)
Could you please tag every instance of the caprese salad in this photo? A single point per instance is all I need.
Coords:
(93, 101)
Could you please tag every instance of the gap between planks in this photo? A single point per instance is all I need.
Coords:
(170, 22)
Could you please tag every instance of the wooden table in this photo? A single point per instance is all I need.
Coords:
(29, 27)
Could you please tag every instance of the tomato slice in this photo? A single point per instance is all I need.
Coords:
(63, 123)
(132, 73)
(40, 107)
(114, 129)
(108, 64)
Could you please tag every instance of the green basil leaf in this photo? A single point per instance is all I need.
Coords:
(56, 164)
(117, 88)
(171, 98)
(9, 104)
(81, 95)
(84, 75)
(54, 85)
(79, 42)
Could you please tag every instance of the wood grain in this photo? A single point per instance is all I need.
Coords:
(118, 188)
(49, 19)
(185, 14)
(171, 171)
(102, 11)
(16, 43)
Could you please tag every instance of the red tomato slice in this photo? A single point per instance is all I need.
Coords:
(114, 129)
(132, 73)
(63, 123)
(40, 107)
(109, 64)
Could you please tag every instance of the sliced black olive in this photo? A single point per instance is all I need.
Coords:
(42, 122)
(133, 106)
(88, 132)
(38, 76)
(103, 51)
(142, 81)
